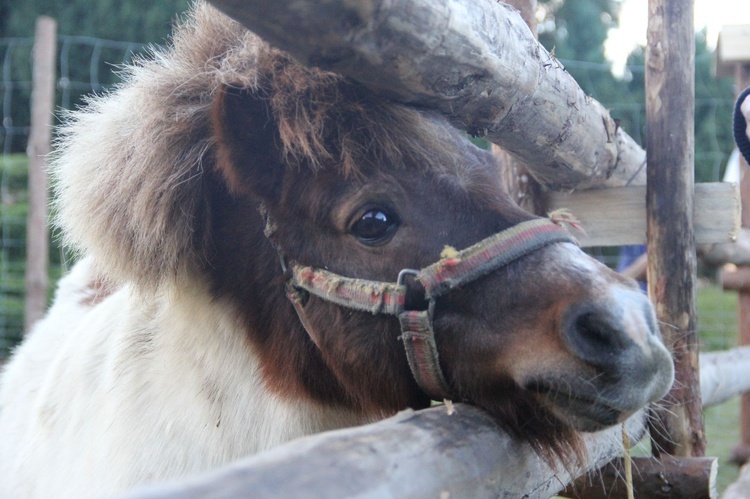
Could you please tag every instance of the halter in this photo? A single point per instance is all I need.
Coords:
(453, 270)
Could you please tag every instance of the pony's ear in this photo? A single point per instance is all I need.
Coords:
(247, 153)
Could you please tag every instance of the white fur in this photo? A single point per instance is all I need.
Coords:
(154, 378)
(129, 391)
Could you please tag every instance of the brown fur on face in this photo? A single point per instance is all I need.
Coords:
(360, 362)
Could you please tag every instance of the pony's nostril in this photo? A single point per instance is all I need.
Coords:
(595, 336)
(593, 331)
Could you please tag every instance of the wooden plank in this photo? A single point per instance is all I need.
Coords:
(735, 279)
(736, 253)
(475, 61)
(425, 454)
(734, 44)
(37, 232)
(617, 216)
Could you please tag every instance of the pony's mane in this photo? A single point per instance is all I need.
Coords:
(130, 173)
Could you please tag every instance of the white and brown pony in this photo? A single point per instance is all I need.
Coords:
(243, 224)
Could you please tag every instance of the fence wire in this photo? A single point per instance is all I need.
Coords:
(85, 65)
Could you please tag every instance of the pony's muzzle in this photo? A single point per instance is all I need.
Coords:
(618, 339)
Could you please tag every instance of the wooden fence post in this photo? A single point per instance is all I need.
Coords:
(42, 107)
(677, 425)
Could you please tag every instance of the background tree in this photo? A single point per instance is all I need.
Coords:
(576, 31)
(141, 22)
(84, 65)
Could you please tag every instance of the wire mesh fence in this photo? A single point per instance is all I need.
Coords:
(85, 65)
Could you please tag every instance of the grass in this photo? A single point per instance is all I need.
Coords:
(13, 213)
(722, 424)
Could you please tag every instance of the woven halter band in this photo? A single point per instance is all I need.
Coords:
(450, 272)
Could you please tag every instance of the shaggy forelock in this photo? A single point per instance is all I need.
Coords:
(131, 169)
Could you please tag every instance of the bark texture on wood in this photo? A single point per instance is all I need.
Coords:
(517, 178)
(37, 232)
(684, 478)
(428, 454)
(678, 424)
(473, 60)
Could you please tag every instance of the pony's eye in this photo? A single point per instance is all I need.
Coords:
(375, 226)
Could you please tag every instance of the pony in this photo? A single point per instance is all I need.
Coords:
(267, 251)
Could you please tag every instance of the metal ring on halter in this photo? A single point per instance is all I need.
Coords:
(405, 272)
(400, 281)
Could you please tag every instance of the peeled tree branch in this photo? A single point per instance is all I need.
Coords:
(438, 452)
(455, 451)
(475, 61)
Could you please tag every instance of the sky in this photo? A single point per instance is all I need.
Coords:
(711, 14)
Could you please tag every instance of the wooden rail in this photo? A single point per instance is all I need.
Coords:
(475, 61)
(437, 453)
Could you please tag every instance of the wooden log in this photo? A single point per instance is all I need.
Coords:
(683, 478)
(739, 489)
(724, 375)
(735, 279)
(677, 422)
(424, 454)
(473, 60)
(617, 216)
(718, 254)
(429, 453)
(516, 176)
(37, 233)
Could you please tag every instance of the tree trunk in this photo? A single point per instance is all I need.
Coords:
(475, 61)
